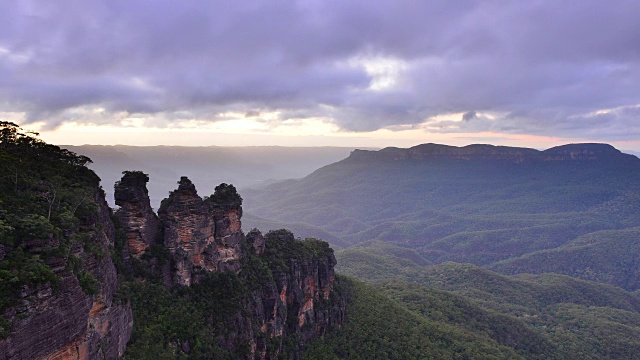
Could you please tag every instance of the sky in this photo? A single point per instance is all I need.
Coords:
(378, 73)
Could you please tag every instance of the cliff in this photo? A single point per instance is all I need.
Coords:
(300, 302)
(72, 280)
(57, 279)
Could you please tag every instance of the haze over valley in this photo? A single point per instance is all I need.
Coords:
(206, 166)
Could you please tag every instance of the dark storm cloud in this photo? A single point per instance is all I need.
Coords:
(543, 67)
(470, 115)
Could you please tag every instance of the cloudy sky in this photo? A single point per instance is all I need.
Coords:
(357, 73)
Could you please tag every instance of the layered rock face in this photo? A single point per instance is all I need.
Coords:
(135, 214)
(296, 305)
(287, 284)
(200, 235)
(65, 321)
(301, 301)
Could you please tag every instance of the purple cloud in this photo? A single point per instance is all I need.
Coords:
(544, 65)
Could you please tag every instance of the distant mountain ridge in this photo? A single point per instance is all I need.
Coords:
(494, 206)
(569, 152)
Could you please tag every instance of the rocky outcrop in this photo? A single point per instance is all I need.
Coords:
(136, 216)
(256, 241)
(70, 320)
(305, 288)
(570, 152)
(294, 298)
(200, 235)
(298, 303)
(61, 257)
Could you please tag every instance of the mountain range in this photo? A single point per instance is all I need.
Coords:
(507, 209)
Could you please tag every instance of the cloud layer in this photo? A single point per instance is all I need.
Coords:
(567, 68)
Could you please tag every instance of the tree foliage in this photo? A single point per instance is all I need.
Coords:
(538, 316)
(46, 195)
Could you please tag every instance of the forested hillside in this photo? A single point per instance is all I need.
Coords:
(503, 208)
(538, 316)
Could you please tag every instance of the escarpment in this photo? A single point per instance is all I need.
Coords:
(483, 152)
(305, 285)
(58, 282)
(272, 294)
(74, 315)
(79, 282)
(298, 301)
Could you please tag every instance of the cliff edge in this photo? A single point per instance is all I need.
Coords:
(57, 279)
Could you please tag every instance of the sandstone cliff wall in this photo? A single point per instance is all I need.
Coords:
(201, 236)
(288, 297)
(63, 321)
(135, 213)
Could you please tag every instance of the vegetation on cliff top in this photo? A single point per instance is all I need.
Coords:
(46, 196)
(225, 195)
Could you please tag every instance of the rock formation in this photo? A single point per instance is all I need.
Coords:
(63, 321)
(135, 214)
(256, 240)
(296, 304)
(200, 235)
(62, 255)
(301, 300)
(296, 301)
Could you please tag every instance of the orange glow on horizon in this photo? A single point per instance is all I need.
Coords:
(299, 134)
